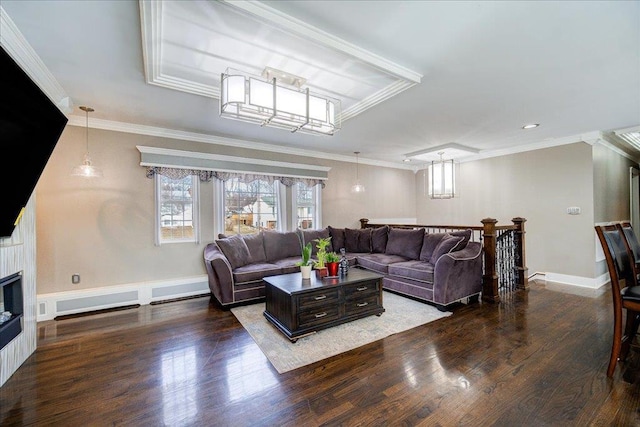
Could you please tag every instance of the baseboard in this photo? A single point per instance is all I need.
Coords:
(583, 282)
(573, 284)
(56, 304)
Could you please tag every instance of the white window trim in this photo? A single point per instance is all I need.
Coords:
(317, 212)
(195, 219)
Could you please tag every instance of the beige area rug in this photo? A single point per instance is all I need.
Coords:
(400, 315)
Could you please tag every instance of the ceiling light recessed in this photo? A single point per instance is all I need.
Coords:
(531, 126)
(407, 160)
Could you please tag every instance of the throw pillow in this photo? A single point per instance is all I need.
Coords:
(255, 243)
(280, 245)
(358, 240)
(405, 242)
(429, 245)
(466, 236)
(448, 244)
(337, 238)
(379, 237)
(311, 235)
(235, 249)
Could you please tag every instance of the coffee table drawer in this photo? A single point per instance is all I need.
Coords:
(320, 315)
(370, 302)
(362, 290)
(324, 296)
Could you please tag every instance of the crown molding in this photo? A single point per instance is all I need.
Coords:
(109, 125)
(21, 51)
(74, 120)
(372, 100)
(301, 28)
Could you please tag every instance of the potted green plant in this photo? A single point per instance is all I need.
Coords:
(332, 260)
(320, 263)
(306, 263)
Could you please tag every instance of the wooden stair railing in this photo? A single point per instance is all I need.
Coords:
(504, 260)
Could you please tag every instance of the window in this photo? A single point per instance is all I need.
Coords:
(306, 206)
(250, 207)
(176, 209)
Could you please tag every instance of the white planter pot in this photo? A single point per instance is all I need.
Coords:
(306, 271)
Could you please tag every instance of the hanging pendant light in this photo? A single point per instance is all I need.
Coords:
(357, 187)
(86, 169)
(442, 184)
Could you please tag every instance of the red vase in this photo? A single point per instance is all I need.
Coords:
(332, 268)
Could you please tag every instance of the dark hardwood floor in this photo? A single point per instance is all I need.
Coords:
(538, 358)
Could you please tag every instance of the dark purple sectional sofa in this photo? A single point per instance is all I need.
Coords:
(439, 268)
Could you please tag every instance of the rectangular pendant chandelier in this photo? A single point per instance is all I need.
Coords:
(276, 100)
(442, 184)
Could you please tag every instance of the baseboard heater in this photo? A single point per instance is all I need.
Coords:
(62, 304)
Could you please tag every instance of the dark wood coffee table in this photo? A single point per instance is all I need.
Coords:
(299, 307)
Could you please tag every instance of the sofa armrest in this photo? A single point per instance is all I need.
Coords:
(220, 274)
(458, 274)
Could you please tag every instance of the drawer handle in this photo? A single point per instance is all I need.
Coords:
(363, 288)
(362, 304)
(320, 297)
(321, 314)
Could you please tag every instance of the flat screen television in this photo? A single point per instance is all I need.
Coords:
(30, 126)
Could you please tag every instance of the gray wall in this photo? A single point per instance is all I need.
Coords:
(537, 185)
(610, 185)
(104, 229)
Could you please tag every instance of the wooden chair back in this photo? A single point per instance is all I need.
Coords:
(618, 262)
(633, 247)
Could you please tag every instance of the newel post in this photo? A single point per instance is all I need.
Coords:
(490, 276)
(363, 222)
(522, 272)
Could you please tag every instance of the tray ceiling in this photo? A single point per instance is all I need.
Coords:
(188, 45)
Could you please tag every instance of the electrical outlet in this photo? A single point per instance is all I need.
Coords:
(75, 279)
(573, 210)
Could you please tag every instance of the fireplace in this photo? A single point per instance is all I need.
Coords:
(11, 308)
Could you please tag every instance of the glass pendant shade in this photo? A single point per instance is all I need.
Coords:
(87, 169)
(357, 187)
(269, 102)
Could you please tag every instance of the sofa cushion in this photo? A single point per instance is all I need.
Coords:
(255, 272)
(429, 244)
(415, 269)
(378, 262)
(358, 240)
(337, 238)
(466, 236)
(448, 244)
(278, 245)
(288, 265)
(405, 242)
(235, 249)
(379, 237)
(311, 235)
(255, 243)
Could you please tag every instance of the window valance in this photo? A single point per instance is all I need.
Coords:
(206, 176)
(179, 163)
